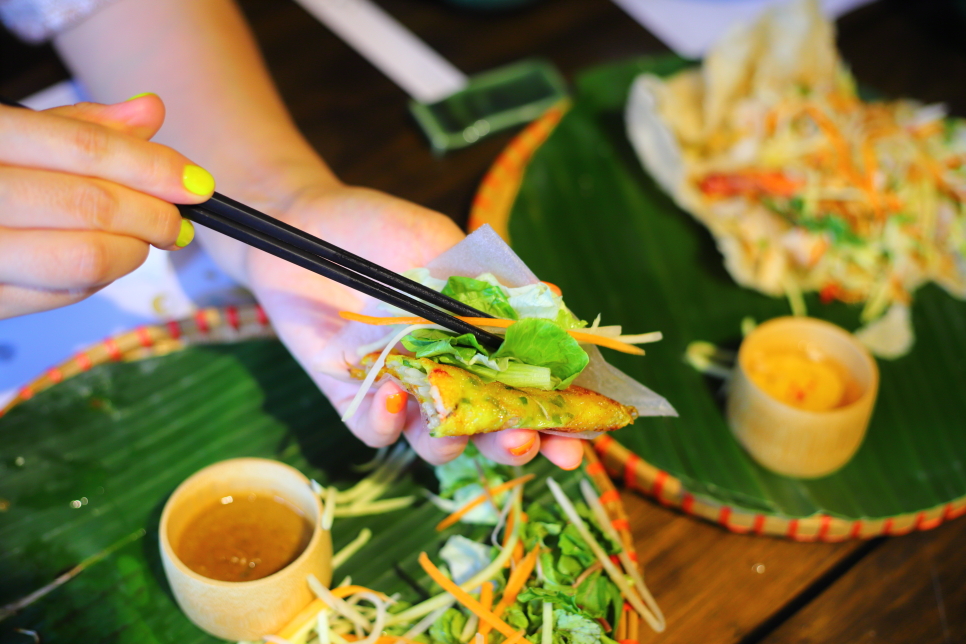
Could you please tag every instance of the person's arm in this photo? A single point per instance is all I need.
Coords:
(224, 112)
(222, 107)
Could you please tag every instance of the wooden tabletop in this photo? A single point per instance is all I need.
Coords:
(715, 587)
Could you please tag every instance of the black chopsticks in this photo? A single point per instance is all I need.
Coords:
(249, 226)
(277, 238)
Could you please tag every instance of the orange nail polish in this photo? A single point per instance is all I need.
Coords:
(396, 403)
(520, 450)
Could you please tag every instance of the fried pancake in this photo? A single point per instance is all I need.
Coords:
(455, 402)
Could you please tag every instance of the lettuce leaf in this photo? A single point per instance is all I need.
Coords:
(481, 295)
(447, 629)
(542, 343)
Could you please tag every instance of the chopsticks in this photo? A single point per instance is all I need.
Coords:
(249, 226)
(277, 238)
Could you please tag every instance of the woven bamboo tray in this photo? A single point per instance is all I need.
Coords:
(494, 204)
(212, 328)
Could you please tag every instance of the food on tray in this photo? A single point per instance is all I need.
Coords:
(558, 572)
(806, 186)
(546, 375)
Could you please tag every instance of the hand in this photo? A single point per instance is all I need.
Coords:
(304, 311)
(82, 195)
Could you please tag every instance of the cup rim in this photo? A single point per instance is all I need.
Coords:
(871, 389)
(168, 548)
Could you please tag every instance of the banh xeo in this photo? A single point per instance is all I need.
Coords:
(546, 375)
(512, 572)
(806, 186)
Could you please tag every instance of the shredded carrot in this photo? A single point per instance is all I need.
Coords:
(502, 487)
(553, 288)
(466, 599)
(497, 323)
(517, 553)
(486, 600)
(304, 616)
(309, 612)
(514, 585)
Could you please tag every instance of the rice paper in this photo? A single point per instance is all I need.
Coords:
(483, 251)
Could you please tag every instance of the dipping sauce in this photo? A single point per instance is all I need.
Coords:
(244, 537)
(803, 379)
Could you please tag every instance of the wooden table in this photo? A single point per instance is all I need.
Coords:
(715, 587)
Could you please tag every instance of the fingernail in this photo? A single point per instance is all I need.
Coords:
(396, 402)
(186, 234)
(142, 94)
(522, 449)
(198, 180)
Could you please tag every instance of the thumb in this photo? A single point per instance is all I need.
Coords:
(140, 116)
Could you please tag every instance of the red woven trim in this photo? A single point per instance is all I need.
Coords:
(626, 641)
(55, 375)
(610, 496)
(621, 524)
(201, 321)
(482, 201)
(759, 524)
(260, 315)
(232, 314)
(174, 329)
(823, 527)
(113, 351)
(26, 393)
(595, 468)
(630, 474)
(687, 503)
(887, 527)
(602, 443)
(922, 523)
(724, 514)
(657, 488)
(792, 529)
(954, 513)
(83, 361)
(144, 337)
(856, 531)
(632, 556)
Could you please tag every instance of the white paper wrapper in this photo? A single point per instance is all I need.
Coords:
(484, 251)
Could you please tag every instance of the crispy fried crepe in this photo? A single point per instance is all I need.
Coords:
(455, 402)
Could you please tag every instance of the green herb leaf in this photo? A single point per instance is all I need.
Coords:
(542, 343)
(447, 629)
(563, 597)
(571, 628)
(595, 595)
(481, 295)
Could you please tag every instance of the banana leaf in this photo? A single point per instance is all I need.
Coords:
(588, 218)
(92, 460)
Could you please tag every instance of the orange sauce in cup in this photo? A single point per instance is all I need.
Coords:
(802, 379)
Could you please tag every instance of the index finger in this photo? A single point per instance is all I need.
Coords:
(52, 142)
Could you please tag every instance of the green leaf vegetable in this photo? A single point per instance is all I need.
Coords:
(537, 351)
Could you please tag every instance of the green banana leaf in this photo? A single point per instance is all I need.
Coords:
(588, 218)
(121, 437)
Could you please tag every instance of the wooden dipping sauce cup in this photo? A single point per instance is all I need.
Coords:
(244, 610)
(787, 439)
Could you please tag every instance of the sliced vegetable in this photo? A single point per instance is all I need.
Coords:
(580, 336)
(454, 517)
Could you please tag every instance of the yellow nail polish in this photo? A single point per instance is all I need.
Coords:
(186, 234)
(198, 180)
(141, 94)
